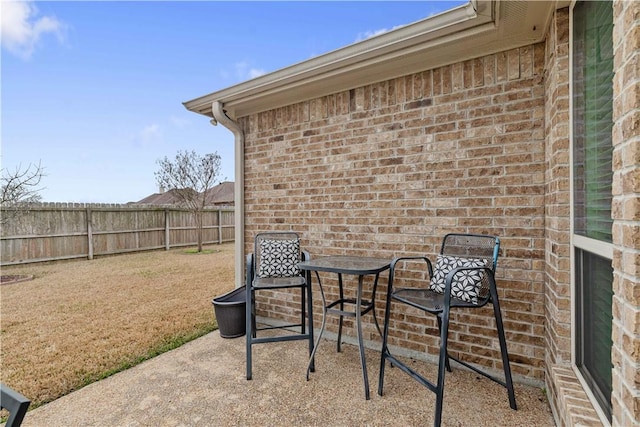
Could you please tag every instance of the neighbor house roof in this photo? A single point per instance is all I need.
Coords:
(165, 198)
(221, 194)
(478, 28)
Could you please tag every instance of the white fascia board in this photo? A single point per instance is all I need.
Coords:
(478, 28)
(346, 58)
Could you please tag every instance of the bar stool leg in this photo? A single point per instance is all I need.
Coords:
(341, 296)
(363, 362)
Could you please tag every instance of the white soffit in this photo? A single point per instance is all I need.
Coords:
(476, 29)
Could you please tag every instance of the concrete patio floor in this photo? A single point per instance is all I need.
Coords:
(203, 384)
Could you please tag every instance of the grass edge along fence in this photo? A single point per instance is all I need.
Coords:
(59, 231)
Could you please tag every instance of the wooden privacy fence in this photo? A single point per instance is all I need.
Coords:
(57, 231)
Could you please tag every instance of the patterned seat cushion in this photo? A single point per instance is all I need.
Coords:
(279, 258)
(465, 284)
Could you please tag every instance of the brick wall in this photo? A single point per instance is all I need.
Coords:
(626, 214)
(557, 249)
(569, 401)
(388, 169)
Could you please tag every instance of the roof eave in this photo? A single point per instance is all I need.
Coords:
(478, 28)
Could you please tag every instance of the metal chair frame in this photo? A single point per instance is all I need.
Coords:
(441, 307)
(253, 285)
(15, 403)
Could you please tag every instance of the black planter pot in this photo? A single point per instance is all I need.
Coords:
(230, 313)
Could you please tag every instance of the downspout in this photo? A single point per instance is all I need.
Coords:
(220, 116)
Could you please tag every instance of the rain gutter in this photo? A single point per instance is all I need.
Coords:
(352, 66)
(477, 28)
(220, 116)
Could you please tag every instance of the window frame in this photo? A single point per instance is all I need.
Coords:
(594, 246)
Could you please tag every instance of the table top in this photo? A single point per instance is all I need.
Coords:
(346, 264)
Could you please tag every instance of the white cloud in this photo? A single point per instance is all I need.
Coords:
(22, 28)
(150, 134)
(373, 33)
(179, 121)
(244, 71)
(240, 72)
(256, 72)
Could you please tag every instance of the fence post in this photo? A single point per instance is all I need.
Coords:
(89, 234)
(167, 245)
(219, 226)
(137, 227)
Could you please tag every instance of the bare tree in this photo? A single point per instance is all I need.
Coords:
(190, 176)
(20, 187)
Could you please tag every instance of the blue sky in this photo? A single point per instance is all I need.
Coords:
(94, 90)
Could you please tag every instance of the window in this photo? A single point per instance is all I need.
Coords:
(592, 96)
(594, 277)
